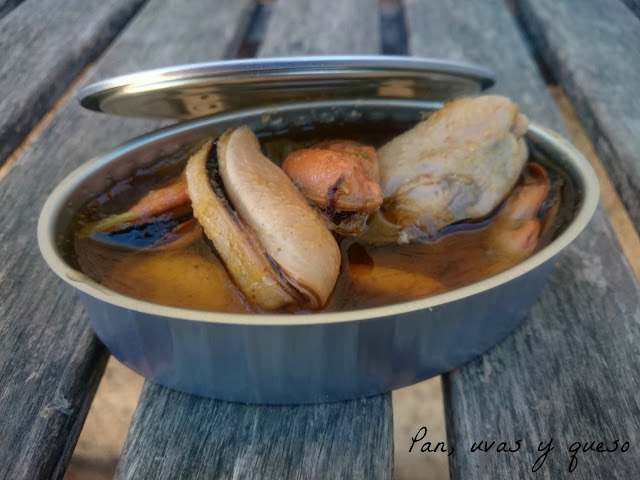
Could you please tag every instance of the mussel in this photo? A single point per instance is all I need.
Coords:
(272, 242)
(272, 227)
(341, 179)
(458, 164)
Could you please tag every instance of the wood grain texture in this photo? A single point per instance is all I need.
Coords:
(482, 34)
(341, 440)
(7, 5)
(332, 27)
(593, 49)
(570, 371)
(183, 436)
(634, 6)
(44, 46)
(50, 362)
(49, 370)
(618, 215)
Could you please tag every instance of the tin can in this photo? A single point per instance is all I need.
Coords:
(321, 357)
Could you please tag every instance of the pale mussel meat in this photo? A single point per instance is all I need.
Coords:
(273, 228)
(457, 165)
(273, 244)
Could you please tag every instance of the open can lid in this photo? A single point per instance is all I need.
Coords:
(196, 90)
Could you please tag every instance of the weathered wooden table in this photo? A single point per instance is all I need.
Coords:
(570, 372)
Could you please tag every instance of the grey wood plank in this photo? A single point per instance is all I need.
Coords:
(634, 6)
(331, 27)
(49, 369)
(44, 46)
(351, 439)
(593, 49)
(50, 362)
(7, 5)
(454, 30)
(183, 436)
(569, 372)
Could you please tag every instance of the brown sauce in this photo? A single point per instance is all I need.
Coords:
(193, 277)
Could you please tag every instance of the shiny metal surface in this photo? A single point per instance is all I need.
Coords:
(304, 358)
(192, 91)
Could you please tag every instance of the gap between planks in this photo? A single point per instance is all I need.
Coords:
(44, 121)
(618, 215)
